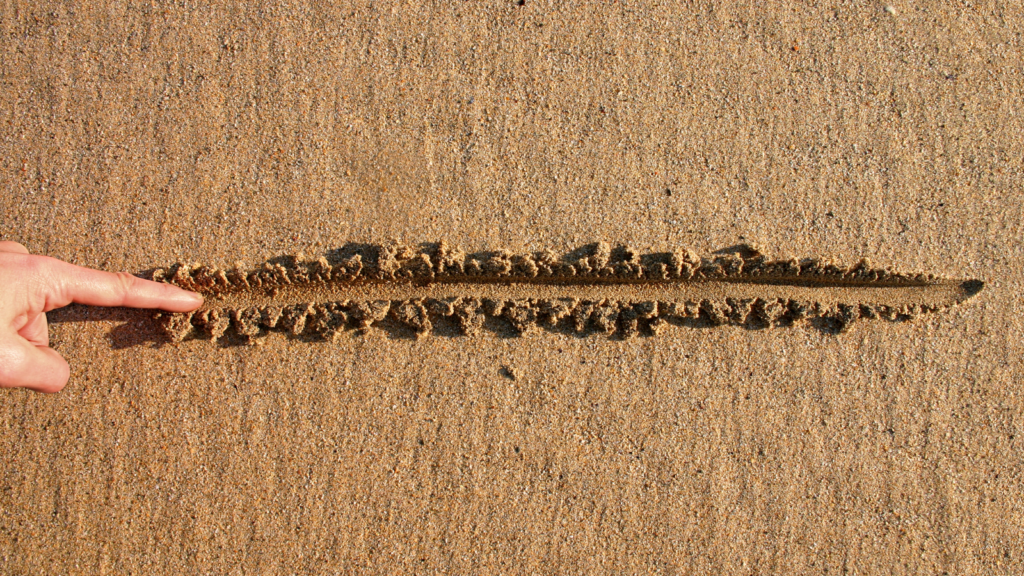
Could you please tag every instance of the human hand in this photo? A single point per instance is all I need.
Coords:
(31, 286)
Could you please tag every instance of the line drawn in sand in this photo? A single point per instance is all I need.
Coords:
(593, 289)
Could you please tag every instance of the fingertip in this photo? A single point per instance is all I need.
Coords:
(12, 247)
(60, 372)
(183, 301)
(196, 298)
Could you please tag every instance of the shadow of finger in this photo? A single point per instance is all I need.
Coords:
(133, 327)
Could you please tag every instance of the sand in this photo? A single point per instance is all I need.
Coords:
(134, 137)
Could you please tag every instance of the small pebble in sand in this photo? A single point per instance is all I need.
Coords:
(890, 9)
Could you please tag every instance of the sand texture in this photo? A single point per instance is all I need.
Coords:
(522, 288)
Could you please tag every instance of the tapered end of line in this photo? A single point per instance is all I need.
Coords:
(970, 288)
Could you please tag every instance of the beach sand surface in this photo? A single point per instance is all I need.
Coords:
(134, 136)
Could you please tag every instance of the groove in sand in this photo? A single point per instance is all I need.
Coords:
(937, 294)
(595, 288)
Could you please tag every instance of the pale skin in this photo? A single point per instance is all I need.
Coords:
(31, 286)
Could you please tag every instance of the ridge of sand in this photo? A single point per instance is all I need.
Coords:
(594, 288)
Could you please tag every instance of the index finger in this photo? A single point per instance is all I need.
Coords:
(97, 288)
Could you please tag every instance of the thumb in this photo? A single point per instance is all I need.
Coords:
(24, 365)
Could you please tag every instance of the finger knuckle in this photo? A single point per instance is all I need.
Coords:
(22, 263)
(125, 283)
(35, 266)
(39, 273)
